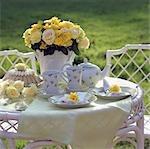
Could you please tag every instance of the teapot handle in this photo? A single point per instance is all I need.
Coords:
(64, 76)
(63, 71)
(65, 66)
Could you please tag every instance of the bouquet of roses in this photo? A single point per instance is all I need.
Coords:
(54, 34)
(15, 89)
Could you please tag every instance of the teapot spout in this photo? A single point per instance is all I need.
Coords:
(106, 71)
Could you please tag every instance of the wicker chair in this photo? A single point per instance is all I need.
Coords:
(9, 120)
(132, 63)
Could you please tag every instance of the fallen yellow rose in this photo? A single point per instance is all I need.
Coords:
(115, 88)
(73, 96)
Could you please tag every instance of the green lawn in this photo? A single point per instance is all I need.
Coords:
(109, 24)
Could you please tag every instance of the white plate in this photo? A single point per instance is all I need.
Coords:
(126, 92)
(59, 102)
(43, 94)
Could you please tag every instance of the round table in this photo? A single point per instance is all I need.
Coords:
(9, 119)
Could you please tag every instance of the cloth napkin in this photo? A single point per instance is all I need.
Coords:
(92, 127)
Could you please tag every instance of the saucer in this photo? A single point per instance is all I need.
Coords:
(126, 92)
(61, 101)
(83, 89)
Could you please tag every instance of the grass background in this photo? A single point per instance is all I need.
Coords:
(109, 24)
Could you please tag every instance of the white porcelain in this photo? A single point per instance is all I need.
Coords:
(91, 73)
(85, 99)
(74, 76)
(51, 80)
(125, 92)
(54, 61)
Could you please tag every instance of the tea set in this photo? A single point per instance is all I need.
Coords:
(84, 75)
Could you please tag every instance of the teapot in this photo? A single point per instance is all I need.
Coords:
(91, 73)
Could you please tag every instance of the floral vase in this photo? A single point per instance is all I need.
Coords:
(55, 61)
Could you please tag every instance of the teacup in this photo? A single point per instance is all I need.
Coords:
(51, 80)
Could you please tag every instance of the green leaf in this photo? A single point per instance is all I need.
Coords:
(77, 52)
(40, 22)
(64, 50)
(75, 48)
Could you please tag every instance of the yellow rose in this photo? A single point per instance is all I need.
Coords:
(27, 33)
(67, 43)
(66, 24)
(75, 33)
(64, 39)
(58, 32)
(73, 96)
(27, 42)
(19, 85)
(21, 66)
(1, 90)
(30, 91)
(5, 83)
(52, 23)
(53, 20)
(34, 87)
(35, 36)
(48, 36)
(115, 88)
(3, 86)
(26, 36)
(43, 45)
(12, 92)
(47, 26)
(37, 26)
(84, 43)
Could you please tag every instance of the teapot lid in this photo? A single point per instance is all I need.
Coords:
(86, 64)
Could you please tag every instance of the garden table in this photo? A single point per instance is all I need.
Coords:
(92, 127)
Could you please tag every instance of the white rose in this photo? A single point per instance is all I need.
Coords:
(65, 30)
(30, 91)
(82, 33)
(48, 36)
(84, 43)
(19, 85)
(75, 33)
(35, 37)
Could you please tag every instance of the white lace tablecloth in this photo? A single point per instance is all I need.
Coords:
(92, 127)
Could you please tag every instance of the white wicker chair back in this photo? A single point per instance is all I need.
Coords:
(8, 59)
(132, 63)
